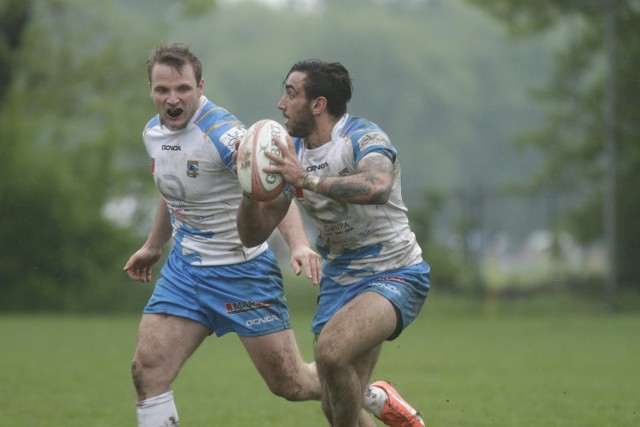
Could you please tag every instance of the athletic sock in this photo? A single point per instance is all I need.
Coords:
(158, 411)
(374, 399)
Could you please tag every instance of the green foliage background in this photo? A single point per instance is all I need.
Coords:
(443, 78)
(571, 140)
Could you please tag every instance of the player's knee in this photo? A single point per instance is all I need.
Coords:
(329, 356)
(137, 377)
(288, 389)
(147, 374)
(280, 389)
(298, 384)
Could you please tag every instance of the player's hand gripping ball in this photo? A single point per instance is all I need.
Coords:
(251, 161)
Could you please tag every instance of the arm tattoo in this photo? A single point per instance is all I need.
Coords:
(343, 190)
(370, 182)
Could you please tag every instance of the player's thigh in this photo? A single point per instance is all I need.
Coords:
(358, 328)
(166, 341)
(275, 355)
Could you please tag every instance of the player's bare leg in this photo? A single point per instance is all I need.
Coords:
(277, 358)
(365, 419)
(346, 353)
(164, 344)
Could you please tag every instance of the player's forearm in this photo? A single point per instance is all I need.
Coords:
(362, 189)
(292, 228)
(256, 220)
(370, 185)
(161, 228)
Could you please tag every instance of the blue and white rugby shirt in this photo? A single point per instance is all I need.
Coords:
(357, 241)
(192, 168)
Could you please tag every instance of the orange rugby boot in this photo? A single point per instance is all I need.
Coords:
(396, 411)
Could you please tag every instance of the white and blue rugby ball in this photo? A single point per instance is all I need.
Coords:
(251, 161)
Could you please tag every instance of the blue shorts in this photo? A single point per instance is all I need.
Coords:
(245, 298)
(406, 288)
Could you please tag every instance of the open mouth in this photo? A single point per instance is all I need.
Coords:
(174, 112)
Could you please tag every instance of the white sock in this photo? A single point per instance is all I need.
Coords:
(374, 399)
(158, 411)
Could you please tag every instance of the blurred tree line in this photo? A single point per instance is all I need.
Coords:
(71, 103)
(59, 156)
(439, 76)
(590, 141)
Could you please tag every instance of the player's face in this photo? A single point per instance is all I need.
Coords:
(175, 95)
(296, 108)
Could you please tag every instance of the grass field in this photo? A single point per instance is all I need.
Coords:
(550, 362)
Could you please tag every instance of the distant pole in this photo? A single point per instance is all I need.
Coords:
(610, 30)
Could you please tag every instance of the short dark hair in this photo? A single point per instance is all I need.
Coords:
(328, 79)
(176, 55)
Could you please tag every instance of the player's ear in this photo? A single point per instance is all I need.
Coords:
(201, 87)
(319, 105)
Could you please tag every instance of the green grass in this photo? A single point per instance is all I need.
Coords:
(549, 362)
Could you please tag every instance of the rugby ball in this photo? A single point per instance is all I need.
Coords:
(251, 160)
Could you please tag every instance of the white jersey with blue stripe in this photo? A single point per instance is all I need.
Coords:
(357, 241)
(192, 168)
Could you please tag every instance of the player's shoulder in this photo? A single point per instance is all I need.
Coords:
(363, 134)
(155, 121)
(220, 126)
(214, 118)
(355, 128)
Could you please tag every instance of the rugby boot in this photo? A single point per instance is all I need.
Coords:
(396, 411)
